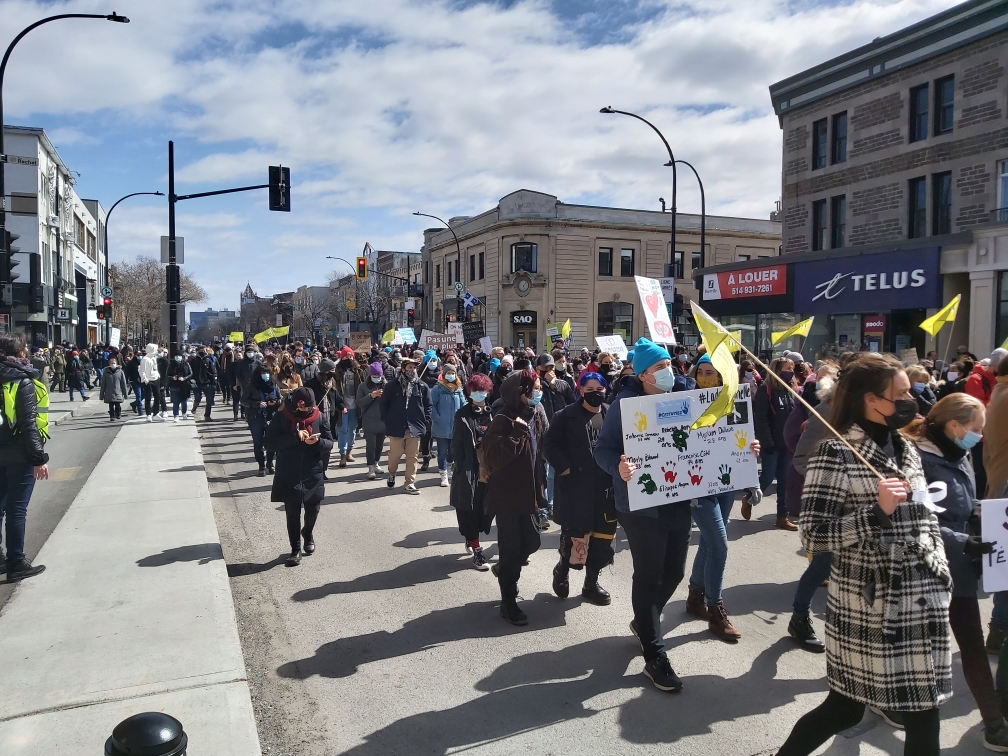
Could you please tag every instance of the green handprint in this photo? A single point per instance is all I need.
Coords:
(679, 437)
(648, 485)
(725, 476)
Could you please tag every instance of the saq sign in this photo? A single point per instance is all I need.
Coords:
(896, 280)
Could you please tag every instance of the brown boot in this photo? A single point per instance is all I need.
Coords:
(785, 524)
(350, 457)
(696, 605)
(342, 460)
(720, 625)
(746, 506)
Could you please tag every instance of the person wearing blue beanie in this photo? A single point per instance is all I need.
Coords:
(659, 536)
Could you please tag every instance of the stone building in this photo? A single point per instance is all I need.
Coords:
(532, 261)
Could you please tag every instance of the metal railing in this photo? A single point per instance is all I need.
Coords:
(999, 216)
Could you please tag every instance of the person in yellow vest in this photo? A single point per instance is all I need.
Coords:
(24, 430)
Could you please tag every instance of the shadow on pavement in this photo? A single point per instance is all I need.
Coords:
(241, 569)
(204, 553)
(187, 468)
(426, 570)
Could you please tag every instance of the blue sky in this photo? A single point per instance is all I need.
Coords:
(384, 107)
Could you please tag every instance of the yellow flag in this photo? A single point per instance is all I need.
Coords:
(237, 336)
(735, 341)
(281, 331)
(1004, 345)
(389, 336)
(717, 341)
(946, 314)
(798, 329)
(565, 329)
(263, 336)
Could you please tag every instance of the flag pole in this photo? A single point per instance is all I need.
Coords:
(948, 345)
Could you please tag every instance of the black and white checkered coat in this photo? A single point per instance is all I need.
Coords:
(887, 631)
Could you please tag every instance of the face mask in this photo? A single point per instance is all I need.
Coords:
(478, 396)
(265, 377)
(536, 398)
(749, 375)
(561, 367)
(953, 376)
(409, 374)
(971, 439)
(249, 355)
(664, 379)
(449, 377)
(906, 411)
(706, 381)
(606, 367)
(787, 375)
(681, 358)
(594, 398)
(297, 360)
(918, 387)
(178, 358)
(374, 380)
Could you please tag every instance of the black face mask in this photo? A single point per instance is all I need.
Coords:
(594, 398)
(906, 411)
(346, 364)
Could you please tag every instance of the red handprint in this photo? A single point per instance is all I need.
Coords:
(695, 477)
(670, 475)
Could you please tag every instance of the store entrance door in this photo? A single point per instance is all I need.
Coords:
(905, 332)
(524, 339)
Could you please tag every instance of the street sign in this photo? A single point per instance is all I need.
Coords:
(63, 313)
(351, 305)
(106, 291)
(179, 250)
(459, 287)
(18, 160)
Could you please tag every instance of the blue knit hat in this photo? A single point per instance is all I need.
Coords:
(629, 357)
(494, 364)
(704, 358)
(646, 354)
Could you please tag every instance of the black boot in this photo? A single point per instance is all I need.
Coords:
(269, 466)
(262, 471)
(594, 593)
(295, 558)
(800, 628)
(425, 465)
(309, 544)
(509, 610)
(561, 585)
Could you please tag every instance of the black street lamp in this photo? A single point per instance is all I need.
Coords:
(458, 248)
(108, 320)
(3, 155)
(703, 216)
(671, 164)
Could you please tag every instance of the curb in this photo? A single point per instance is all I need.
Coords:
(67, 415)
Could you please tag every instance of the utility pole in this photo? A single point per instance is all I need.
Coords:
(172, 283)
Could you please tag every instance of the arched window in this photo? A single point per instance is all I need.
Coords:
(524, 256)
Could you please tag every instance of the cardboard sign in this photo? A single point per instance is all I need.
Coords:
(115, 336)
(675, 463)
(437, 341)
(455, 329)
(994, 528)
(485, 345)
(472, 331)
(422, 344)
(612, 344)
(650, 292)
(909, 356)
(360, 341)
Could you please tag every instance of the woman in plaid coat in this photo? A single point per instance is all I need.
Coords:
(887, 631)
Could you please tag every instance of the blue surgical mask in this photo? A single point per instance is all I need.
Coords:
(971, 439)
(449, 377)
(665, 379)
(265, 377)
(536, 398)
(918, 387)
(478, 396)
(178, 358)
(681, 358)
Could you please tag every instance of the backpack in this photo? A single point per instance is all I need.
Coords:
(10, 389)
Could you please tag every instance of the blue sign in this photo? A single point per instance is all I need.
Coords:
(879, 282)
(674, 411)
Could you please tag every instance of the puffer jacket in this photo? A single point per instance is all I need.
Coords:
(113, 385)
(23, 445)
(148, 366)
(445, 402)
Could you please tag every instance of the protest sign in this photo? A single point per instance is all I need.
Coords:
(437, 340)
(675, 463)
(360, 341)
(236, 336)
(994, 529)
(406, 335)
(455, 329)
(613, 345)
(115, 335)
(485, 345)
(653, 301)
(472, 331)
(422, 344)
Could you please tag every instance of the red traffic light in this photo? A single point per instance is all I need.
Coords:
(107, 301)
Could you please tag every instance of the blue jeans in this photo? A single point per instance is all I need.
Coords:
(999, 617)
(177, 397)
(444, 455)
(209, 391)
(138, 395)
(345, 437)
(16, 485)
(710, 513)
(814, 575)
(79, 391)
(775, 465)
(257, 427)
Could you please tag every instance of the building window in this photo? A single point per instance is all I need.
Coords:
(472, 268)
(818, 225)
(616, 317)
(917, 222)
(426, 271)
(481, 266)
(743, 258)
(694, 262)
(919, 113)
(79, 232)
(941, 203)
(838, 221)
(677, 265)
(626, 258)
(819, 144)
(437, 276)
(944, 105)
(1002, 309)
(605, 261)
(524, 256)
(839, 149)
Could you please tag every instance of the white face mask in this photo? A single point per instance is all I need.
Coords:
(953, 376)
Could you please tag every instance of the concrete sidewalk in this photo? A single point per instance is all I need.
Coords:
(133, 613)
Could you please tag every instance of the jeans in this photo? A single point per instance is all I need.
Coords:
(710, 514)
(658, 547)
(177, 397)
(79, 391)
(444, 455)
(550, 482)
(816, 572)
(257, 427)
(373, 443)
(775, 465)
(999, 617)
(209, 391)
(16, 485)
(347, 429)
(138, 395)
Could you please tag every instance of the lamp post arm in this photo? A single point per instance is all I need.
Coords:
(703, 215)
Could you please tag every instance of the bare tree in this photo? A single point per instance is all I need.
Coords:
(214, 329)
(139, 290)
(257, 316)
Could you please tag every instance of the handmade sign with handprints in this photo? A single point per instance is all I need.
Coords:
(675, 463)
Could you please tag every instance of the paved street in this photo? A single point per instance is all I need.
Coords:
(387, 642)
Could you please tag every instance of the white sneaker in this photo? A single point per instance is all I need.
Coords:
(162, 415)
(411, 489)
(379, 470)
(451, 473)
(444, 479)
(372, 474)
(176, 418)
(185, 416)
(149, 418)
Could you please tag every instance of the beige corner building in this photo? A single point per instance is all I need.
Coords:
(533, 260)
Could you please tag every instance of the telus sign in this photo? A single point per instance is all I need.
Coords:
(883, 281)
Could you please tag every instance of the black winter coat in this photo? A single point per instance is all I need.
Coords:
(771, 408)
(328, 400)
(22, 446)
(299, 466)
(577, 494)
(400, 415)
(466, 465)
(179, 377)
(556, 396)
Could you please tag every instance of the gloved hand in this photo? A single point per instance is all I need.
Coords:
(755, 495)
(976, 547)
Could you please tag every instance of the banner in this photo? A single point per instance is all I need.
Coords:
(236, 336)
(406, 335)
(437, 341)
(281, 331)
(651, 297)
(389, 336)
(472, 331)
(675, 463)
(360, 341)
(613, 345)
(455, 329)
(994, 528)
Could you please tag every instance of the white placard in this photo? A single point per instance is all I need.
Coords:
(114, 336)
(485, 345)
(612, 344)
(994, 528)
(422, 344)
(675, 463)
(650, 292)
(455, 329)
(406, 335)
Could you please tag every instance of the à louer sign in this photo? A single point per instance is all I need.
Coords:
(884, 281)
(752, 282)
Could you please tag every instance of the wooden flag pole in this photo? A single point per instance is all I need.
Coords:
(949, 344)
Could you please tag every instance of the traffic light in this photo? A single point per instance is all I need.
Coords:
(362, 269)
(36, 291)
(279, 188)
(410, 316)
(100, 312)
(106, 307)
(8, 263)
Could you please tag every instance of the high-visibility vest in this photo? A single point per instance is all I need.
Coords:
(10, 389)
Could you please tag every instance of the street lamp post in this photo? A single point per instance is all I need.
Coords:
(458, 248)
(108, 320)
(671, 164)
(3, 155)
(703, 216)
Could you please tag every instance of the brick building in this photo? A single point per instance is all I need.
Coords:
(901, 146)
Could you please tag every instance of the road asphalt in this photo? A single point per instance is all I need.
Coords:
(386, 641)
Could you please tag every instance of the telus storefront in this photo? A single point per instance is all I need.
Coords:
(871, 300)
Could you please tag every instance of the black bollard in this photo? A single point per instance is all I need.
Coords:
(149, 734)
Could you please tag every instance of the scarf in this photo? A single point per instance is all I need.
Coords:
(949, 448)
(408, 383)
(296, 419)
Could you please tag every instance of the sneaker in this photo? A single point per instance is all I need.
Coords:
(185, 416)
(891, 718)
(509, 610)
(800, 628)
(295, 558)
(662, 675)
(162, 415)
(411, 489)
(995, 639)
(785, 524)
(479, 561)
(561, 582)
(721, 626)
(451, 472)
(996, 739)
(22, 569)
(696, 605)
(543, 521)
(495, 569)
(269, 468)
(176, 418)
(149, 418)
(379, 470)
(391, 481)
(111, 418)
(444, 479)
(372, 474)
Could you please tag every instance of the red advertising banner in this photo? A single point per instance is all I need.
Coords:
(751, 282)
(873, 325)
